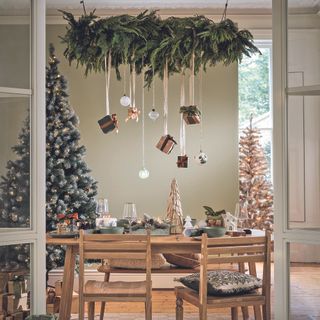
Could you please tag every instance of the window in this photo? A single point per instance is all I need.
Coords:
(255, 96)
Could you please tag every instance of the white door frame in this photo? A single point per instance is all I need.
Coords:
(35, 235)
(283, 235)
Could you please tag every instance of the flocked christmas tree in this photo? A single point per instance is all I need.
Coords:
(70, 188)
(174, 208)
(256, 194)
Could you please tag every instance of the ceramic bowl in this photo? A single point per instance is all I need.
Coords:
(214, 232)
(111, 230)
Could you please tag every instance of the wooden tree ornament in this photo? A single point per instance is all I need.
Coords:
(174, 209)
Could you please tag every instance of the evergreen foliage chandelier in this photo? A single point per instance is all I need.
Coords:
(146, 42)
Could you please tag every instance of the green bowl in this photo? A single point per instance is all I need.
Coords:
(111, 230)
(214, 232)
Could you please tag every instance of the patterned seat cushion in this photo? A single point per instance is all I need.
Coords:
(223, 282)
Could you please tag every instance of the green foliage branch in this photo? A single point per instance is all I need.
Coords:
(146, 42)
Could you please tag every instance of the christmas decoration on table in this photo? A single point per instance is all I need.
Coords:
(133, 111)
(256, 194)
(125, 101)
(166, 142)
(143, 173)
(70, 188)
(156, 225)
(231, 222)
(187, 227)
(182, 161)
(214, 218)
(173, 38)
(110, 121)
(174, 208)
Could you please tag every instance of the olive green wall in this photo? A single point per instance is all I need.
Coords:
(115, 159)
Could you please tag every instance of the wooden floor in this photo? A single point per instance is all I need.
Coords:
(305, 297)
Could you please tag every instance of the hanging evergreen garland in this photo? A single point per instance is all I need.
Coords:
(147, 42)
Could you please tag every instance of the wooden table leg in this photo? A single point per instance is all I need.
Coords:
(67, 284)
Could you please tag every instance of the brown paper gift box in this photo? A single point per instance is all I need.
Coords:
(182, 162)
(194, 119)
(108, 123)
(166, 144)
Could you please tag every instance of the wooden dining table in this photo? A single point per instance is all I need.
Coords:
(159, 244)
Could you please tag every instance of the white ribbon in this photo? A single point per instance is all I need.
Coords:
(201, 107)
(107, 68)
(165, 101)
(143, 129)
(133, 101)
(191, 82)
(182, 123)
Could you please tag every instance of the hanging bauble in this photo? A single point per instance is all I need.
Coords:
(153, 114)
(143, 173)
(125, 101)
(201, 158)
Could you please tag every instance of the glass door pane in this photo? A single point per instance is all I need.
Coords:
(15, 43)
(14, 162)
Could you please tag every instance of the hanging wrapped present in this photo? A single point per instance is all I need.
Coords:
(133, 114)
(182, 161)
(191, 114)
(166, 144)
(108, 123)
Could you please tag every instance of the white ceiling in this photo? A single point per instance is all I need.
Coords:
(17, 7)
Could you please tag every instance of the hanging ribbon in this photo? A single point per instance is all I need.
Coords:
(165, 101)
(182, 122)
(133, 112)
(107, 68)
(201, 106)
(153, 89)
(143, 128)
(191, 82)
(130, 84)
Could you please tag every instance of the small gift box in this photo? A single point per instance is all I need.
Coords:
(182, 162)
(166, 144)
(108, 123)
(191, 114)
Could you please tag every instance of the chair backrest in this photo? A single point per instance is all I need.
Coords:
(104, 246)
(241, 250)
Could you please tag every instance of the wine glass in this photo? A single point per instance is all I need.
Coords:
(129, 213)
(243, 215)
(102, 207)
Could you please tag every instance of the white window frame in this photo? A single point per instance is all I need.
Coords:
(35, 235)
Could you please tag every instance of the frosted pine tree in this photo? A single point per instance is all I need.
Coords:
(174, 209)
(256, 194)
(70, 188)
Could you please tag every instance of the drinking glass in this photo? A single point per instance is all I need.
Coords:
(102, 207)
(129, 213)
(243, 215)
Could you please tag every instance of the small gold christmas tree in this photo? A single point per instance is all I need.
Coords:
(174, 209)
(256, 194)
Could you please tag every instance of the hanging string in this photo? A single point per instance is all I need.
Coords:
(224, 15)
(153, 89)
(125, 79)
(133, 86)
(130, 84)
(191, 82)
(107, 68)
(182, 122)
(165, 101)
(142, 107)
(201, 106)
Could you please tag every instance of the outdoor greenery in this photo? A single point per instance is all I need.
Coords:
(254, 86)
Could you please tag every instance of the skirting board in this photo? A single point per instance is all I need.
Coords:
(159, 280)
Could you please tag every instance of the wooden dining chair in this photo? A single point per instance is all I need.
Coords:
(244, 251)
(104, 246)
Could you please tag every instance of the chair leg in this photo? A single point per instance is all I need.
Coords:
(148, 310)
(81, 308)
(234, 313)
(257, 313)
(203, 315)
(91, 310)
(245, 313)
(102, 309)
(103, 303)
(179, 308)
